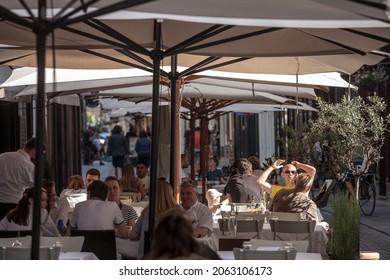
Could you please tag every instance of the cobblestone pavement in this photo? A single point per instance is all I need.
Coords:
(374, 229)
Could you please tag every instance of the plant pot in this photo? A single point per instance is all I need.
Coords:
(369, 255)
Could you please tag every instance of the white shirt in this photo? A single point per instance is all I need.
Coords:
(16, 174)
(47, 225)
(95, 214)
(74, 196)
(201, 216)
(146, 182)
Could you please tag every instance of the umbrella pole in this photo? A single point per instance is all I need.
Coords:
(41, 30)
(157, 57)
(174, 168)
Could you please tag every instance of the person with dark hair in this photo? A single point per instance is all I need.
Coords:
(16, 174)
(92, 175)
(174, 239)
(21, 217)
(256, 165)
(114, 192)
(91, 150)
(214, 174)
(142, 175)
(296, 200)
(97, 213)
(142, 147)
(118, 148)
(242, 187)
(57, 209)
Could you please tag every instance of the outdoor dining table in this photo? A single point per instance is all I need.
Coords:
(77, 256)
(127, 248)
(228, 255)
(318, 241)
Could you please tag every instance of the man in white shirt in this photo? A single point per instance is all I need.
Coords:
(97, 213)
(200, 215)
(16, 174)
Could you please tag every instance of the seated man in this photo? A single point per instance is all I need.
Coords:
(97, 213)
(214, 174)
(289, 174)
(200, 215)
(296, 200)
(242, 186)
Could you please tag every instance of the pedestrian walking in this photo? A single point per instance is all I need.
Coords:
(118, 148)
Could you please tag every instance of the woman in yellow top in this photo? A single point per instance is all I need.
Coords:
(289, 174)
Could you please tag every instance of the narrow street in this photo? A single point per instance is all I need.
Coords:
(374, 230)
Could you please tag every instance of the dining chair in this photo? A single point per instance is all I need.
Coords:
(244, 224)
(299, 245)
(251, 215)
(249, 254)
(250, 225)
(100, 242)
(24, 253)
(305, 227)
(69, 243)
(14, 233)
(285, 216)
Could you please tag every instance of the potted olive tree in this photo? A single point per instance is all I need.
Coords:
(349, 131)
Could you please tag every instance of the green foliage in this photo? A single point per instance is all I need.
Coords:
(298, 146)
(348, 131)
(345, 228)
(371, 77)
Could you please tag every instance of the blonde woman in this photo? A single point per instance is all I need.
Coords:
(130, 182)
(164, 202)
(75, 191)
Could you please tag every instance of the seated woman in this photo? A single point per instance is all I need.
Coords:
(75, 191)
(164, 202)
(130, 183)
(21, 217)
(57, 209)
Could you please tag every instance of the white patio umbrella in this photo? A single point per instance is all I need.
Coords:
(300, 16)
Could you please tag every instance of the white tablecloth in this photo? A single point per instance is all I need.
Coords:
(77, 256)
(228, 255)
(127, 247)
(318, 241)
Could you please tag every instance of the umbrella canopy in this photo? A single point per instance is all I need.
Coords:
(263, 32)
(247, 29)
(73, 81)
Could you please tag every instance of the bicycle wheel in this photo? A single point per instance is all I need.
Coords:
(367, 198)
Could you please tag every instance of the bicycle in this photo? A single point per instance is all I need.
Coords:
(367, 194)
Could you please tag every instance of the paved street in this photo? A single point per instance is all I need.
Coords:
(374, 230)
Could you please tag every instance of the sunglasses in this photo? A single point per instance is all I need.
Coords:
(290, 172)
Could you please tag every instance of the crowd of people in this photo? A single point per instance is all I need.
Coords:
(96, 204)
